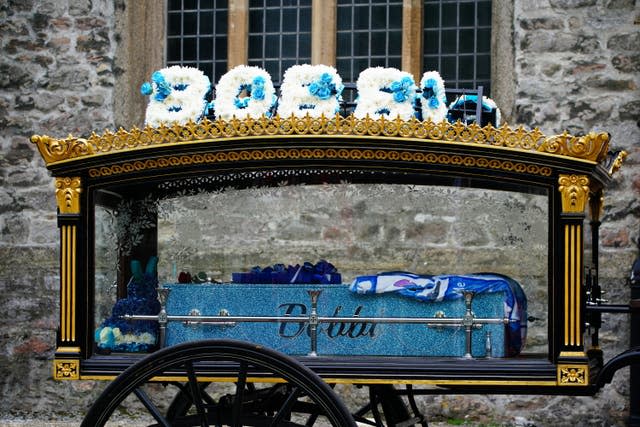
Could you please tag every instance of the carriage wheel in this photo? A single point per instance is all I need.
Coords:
(299, 400)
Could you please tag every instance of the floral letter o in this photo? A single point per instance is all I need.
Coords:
(252, 82)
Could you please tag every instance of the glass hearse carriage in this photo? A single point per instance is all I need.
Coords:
(282, 255)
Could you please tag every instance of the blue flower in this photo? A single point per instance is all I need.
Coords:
(163, 89)
(258, 93)
(146, 88)
(241, 102)
(324, 87)
(402, 90)
(257, 88)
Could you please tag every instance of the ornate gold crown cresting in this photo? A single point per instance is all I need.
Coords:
(591, 147)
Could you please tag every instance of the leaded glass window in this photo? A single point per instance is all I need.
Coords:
(369, 35)
(457, 41)
(197, 35)
(279, 34)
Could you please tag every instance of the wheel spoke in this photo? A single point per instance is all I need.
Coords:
(196, 394)
(286, 407)
(239, 398)
(248, 405)
(153, 409)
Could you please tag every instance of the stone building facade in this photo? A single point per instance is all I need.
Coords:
(74, 66)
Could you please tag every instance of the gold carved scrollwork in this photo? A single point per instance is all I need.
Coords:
(574, 190)
(54, 150)
(592, 146)
(617, 162)
(573, 375)
(68, 191)
(66, 369)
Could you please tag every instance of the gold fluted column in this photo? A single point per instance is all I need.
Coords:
(573, 368)
(66, 364)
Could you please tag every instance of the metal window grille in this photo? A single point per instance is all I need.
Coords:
(197, 35)
(369, 34)
(279, 35)
(457, 42)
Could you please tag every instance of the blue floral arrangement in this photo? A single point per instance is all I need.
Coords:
(254, 91)
(117, 334)
(322, 272)
(385, 92)
(313, 90)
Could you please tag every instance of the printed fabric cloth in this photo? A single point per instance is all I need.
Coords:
(428, 288)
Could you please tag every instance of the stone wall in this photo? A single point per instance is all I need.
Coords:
(576, 65)
(57, 77)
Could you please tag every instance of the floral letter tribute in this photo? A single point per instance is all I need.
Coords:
(177, 94)
(244, 91)
(310, 89)
(385, 92)
(434, 100)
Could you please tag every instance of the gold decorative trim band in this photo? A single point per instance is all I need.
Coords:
(435, 382)
(66, 369)
(591, 147)
(318, 154)
(573, 375)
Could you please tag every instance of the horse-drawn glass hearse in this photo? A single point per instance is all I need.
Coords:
(251, 264)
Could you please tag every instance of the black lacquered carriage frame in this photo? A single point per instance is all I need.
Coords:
(574, 171)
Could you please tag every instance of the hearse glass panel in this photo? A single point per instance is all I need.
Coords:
(255, 247)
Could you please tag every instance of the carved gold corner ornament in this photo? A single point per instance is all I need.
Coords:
(68, 191)
(591, 147)
(617, 162)
(66, 369)
(55, 150)
(574, 190)
(573, 375)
